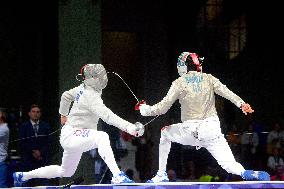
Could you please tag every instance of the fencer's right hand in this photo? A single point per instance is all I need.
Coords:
(136, 129)
(63, 120)
(145, 110)
(137, 106)
(140, 129)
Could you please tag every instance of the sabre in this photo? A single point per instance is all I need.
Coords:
(138, 102)
(125, 85)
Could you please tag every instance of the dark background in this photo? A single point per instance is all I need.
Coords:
(29, 55)
(29, 50)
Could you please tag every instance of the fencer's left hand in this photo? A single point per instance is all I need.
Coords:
(63, 120)
(246, 108)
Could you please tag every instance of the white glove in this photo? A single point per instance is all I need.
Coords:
(145, 110)
(136, 129)
(140, 129)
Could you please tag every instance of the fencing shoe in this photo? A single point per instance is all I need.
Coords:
(255, 175)
(18, 176)
(160, 177)
(121, 178)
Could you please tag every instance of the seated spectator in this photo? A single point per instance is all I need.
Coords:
(278, 174)
(4, 140)
(209, 175)
(34, 144)
(100, 168)
(249, 141)
(172, 175)
(281, 140)
(127, 162)
(190, 172)
(274, 160)
(144, 155)
(130, 173)
(234, 141)
(273, 138)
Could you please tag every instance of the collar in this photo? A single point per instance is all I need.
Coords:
(33, 123)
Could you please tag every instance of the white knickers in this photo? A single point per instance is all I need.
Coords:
(194, 132)
(203, 133)
(79, 140)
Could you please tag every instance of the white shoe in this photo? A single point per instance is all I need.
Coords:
(18, 176)
(160, 177)
(121, 178)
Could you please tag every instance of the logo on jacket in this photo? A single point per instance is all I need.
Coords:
(195, 81)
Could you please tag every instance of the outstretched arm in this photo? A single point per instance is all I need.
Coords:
(163, 106)
(223, 91)
(99, 108)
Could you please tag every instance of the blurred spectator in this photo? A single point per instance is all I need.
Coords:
(281, 139)
(234, 140)
(190, 172)
(249, 141)
(177, 155)
(209, 175)
(273, 138)
(261, 150)
(274, 160)
(130, 174)
(34, 143)
(127, 162)
(278, 174)
(143, 156)
(4, 140)
(121, 146)
(172, 175)
(100, 168)
(259, 128)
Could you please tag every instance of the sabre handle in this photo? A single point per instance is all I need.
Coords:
(137, 106)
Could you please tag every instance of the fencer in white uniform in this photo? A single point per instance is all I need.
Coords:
(200, 125)
(79, 132)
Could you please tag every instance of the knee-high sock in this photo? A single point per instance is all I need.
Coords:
(106, 153)
(51, 171)
(164, 150)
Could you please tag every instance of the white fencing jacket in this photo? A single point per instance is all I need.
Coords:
(87, 108)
